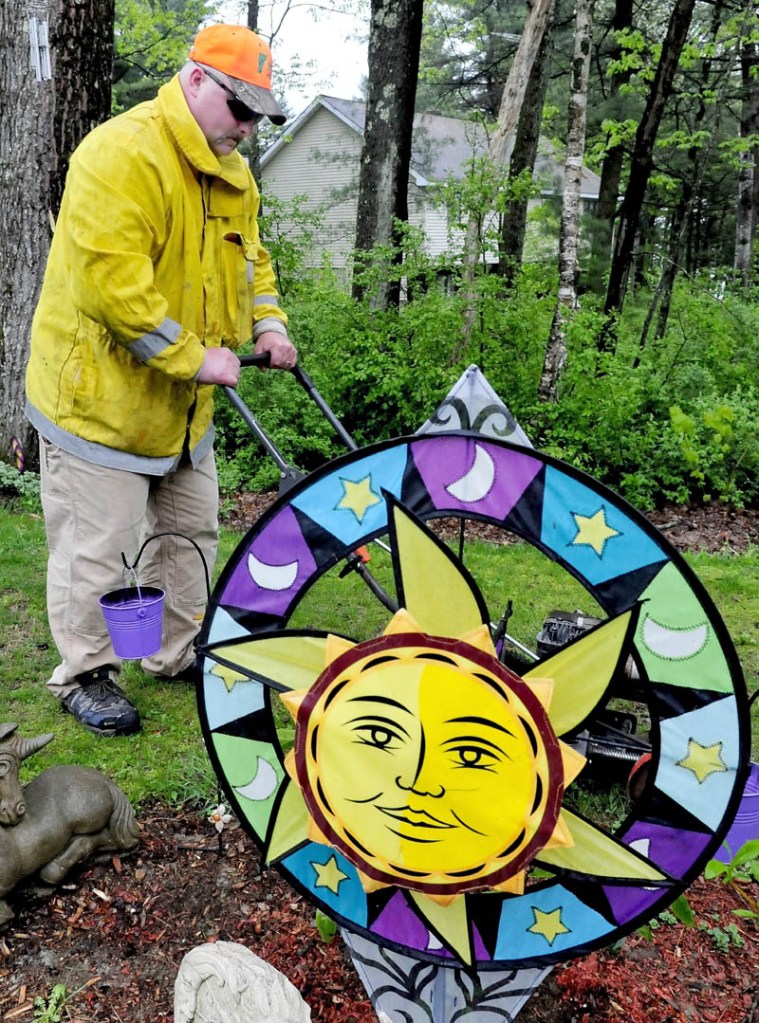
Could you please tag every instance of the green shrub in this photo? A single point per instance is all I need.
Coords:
(671, 421)
(22, 489)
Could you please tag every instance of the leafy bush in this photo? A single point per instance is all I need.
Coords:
(669, 420)
(20, 488)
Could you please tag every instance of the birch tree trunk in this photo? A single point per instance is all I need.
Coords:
(45, 111)
(514, 223)
(571, 206)
(503, 140)
(395, 38)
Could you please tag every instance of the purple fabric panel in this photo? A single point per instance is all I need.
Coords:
(279, 544)
(398, 923)
(450, 459)
(673, 850)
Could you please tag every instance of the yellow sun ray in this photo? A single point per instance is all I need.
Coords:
(480, 639)
(437, 591)
(450, 919)
(291, 825)
(594, 853)
(573, 762)
(292, 661)
(582, 671)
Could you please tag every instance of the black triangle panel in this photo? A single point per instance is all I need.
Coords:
(619, 593)
(255, 726)
(414, 494)
(668, 701)
(657, 808)
(526, 517)
(253, 621)
(325, 547)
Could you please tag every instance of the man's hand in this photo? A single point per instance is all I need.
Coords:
(220, 366)
(282, 352)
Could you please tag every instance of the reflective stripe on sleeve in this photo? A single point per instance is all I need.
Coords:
(152, 344)
(266, 300)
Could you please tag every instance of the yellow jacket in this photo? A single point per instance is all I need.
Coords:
(155, 255)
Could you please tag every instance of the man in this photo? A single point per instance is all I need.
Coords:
(155, 274)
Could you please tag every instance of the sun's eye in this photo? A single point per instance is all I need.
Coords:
(379, 734)
(473, 756)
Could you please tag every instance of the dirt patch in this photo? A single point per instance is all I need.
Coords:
(714, 528)
(115, 935)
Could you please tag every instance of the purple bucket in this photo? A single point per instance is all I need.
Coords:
(745, 827)
(134, 617)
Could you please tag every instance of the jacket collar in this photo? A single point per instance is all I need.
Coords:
(191, 141)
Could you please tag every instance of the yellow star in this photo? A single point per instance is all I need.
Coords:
(593, 531)
(703, 760)
(329, 875)
(358, 497)
(229, 676)
(548, 925)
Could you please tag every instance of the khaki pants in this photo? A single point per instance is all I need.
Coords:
(92, 514)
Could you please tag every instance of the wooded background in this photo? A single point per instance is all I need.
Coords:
(629, 348)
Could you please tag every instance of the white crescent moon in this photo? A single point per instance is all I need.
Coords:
(263, 783)
(272, 577)
(477, 482)
(674, 644)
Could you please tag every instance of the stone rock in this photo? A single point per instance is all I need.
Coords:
(223, 982)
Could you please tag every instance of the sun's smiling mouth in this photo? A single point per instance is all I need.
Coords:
(403, 814)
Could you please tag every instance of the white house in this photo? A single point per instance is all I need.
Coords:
(318, 157)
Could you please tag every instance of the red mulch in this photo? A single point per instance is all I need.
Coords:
(116, 935)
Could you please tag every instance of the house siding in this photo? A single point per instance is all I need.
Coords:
(320, 162)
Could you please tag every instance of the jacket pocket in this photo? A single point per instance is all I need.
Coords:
(240, 283)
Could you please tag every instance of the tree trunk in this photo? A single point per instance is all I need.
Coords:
(571, 207)
(641, 166)
(746, 212)
(514, 223)
(82, 45)
(611, 173)
(26, 143)
(504, 138)
(394, 41)
(41, 121)
(254, 146)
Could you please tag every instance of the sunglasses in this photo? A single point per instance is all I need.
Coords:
(237, 108)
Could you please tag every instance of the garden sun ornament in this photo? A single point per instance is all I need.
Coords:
(424, 805)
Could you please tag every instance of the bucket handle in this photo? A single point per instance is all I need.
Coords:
(156, 536)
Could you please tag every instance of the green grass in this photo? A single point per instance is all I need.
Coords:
(168, 761)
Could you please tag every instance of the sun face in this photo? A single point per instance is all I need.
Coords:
(455, 774)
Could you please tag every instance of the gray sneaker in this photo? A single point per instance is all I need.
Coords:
(101, 706)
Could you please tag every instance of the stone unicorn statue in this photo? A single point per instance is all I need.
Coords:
(57, 820)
